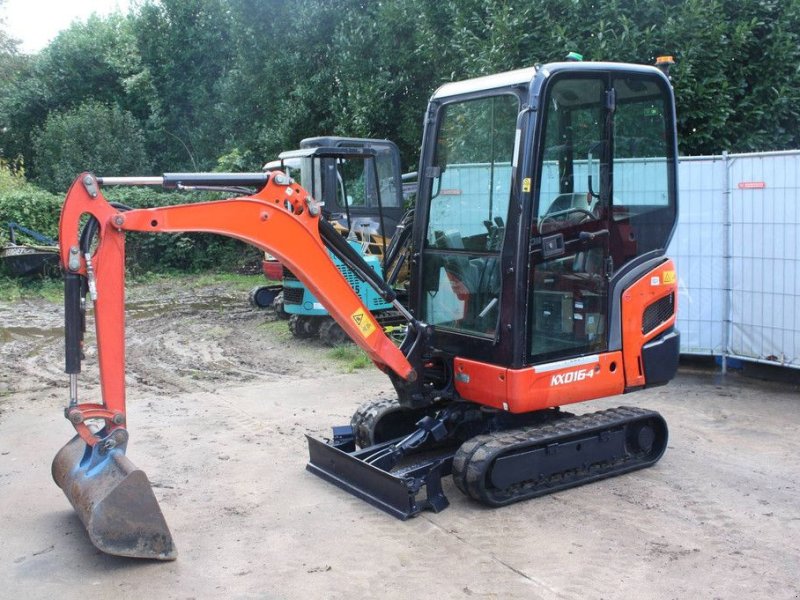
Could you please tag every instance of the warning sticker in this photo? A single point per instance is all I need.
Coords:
(364, 322)
(526, 185)
(668, 277)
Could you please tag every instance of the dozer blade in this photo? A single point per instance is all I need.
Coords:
(114, 500)
(396, 492)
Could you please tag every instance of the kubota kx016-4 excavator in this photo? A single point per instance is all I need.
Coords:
(547, 198)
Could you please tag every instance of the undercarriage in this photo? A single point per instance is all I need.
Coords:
(495, 458)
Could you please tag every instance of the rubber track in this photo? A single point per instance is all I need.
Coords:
(474, 458)
(367, 416)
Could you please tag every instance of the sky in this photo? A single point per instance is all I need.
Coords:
(36, 22)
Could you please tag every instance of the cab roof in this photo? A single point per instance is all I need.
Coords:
(487, 82)
(524, 76)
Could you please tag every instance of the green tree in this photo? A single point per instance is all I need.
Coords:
(259, 88)
(284, 77)
(9, 54)
(11, 64)
(187, 48)
(385, 70)
(214, 80)
(91, 137)
(92, 61)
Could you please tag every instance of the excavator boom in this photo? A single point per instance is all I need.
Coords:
(280, 218)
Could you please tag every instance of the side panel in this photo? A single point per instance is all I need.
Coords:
(649, 308)
(542, 386)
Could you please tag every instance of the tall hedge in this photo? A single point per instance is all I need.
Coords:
(91, 137)
(200, 84)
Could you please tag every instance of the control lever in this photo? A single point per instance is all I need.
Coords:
(588, 236)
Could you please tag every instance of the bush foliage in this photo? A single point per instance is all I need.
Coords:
(180, 251)
(39, 209)
(26, 204)
(91, 137)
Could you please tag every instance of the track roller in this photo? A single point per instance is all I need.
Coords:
(384, 419)
(332, 334)
(303, 327)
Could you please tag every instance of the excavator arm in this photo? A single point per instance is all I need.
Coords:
(280, 218)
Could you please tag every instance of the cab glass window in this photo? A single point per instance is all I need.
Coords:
(470, 194)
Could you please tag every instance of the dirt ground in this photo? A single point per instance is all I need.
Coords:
(219, 400)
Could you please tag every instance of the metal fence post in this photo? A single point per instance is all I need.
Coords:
(728, 258)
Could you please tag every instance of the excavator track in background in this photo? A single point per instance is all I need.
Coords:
(331, 333)
(500, 468)
(384, 419)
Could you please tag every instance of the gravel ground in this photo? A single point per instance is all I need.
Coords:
(219, 400)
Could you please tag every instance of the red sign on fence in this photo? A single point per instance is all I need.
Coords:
(752, 185)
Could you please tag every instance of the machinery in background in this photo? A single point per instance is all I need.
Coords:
(358, 183)
(22, 259)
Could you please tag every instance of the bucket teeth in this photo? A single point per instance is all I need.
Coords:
(114, 500)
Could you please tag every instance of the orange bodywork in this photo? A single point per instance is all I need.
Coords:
(575, 379)
(541, 386)
(276, 219)
(655, 285)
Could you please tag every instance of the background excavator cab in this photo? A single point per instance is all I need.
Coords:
(361, 193)
(357, 182)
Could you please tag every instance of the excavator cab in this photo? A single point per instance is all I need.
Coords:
(540, 192)
(360, 194)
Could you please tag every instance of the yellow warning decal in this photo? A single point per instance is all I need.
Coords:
(526, 184)
(364, 322)
(668, 277)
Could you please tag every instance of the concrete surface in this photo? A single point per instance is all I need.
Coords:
(717, 517)
(219, 399)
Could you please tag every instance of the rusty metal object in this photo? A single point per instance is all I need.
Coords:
(114, 500)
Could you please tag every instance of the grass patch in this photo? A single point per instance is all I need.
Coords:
(234, 281)
(350, 357)
(279, 329)
(13, 289)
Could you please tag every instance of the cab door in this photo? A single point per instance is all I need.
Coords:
(468, 187)
(604, 202)
(569, 258)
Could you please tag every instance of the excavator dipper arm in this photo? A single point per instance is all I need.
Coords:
(280, 218)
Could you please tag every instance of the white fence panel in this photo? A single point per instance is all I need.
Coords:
(698, 248)
(737, 252)
(765, 258)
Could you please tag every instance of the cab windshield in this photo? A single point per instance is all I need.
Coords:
(468, 211)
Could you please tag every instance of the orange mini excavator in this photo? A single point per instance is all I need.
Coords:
(546, 200)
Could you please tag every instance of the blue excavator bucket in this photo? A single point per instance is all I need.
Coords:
(114, 500)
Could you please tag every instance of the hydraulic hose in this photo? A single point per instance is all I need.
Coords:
(342, 249)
